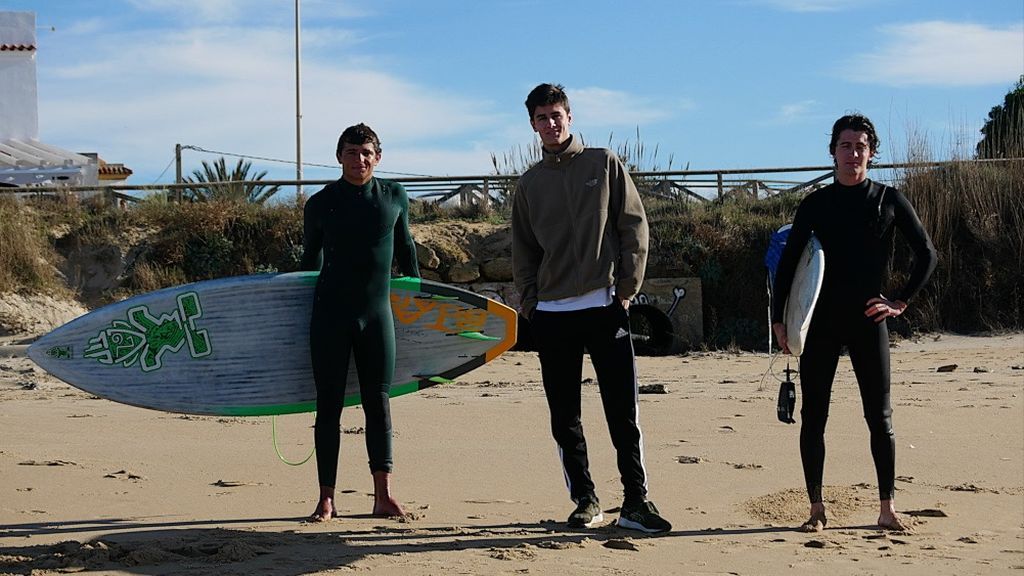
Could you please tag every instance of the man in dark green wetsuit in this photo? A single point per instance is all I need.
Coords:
(355, 227)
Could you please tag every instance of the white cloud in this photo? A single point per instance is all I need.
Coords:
(942, 54)
(794, 112)
(805, 5)
(600, 108)
(227, 11)
(202, 10)
(132, 97)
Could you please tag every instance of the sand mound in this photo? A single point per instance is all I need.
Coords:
(789, 507)
(32, 315)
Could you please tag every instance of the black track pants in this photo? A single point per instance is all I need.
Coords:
(561, 338)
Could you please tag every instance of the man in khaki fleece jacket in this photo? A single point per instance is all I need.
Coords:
(579, 249)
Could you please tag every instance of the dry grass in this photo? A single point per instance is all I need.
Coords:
(975, 216)
(25, 252)
(974, 213)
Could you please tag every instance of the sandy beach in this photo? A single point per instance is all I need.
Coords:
(91, 486)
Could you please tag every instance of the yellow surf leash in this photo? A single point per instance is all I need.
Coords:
(273, 428)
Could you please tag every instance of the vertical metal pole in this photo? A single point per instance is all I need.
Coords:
(298, 107)
(177, 172)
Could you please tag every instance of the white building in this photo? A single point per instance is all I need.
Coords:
(24, 160)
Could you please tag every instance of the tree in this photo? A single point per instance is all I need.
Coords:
(234, 186)
(1003, 132)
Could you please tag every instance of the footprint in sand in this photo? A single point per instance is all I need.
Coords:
(48, 463)
(124, 475)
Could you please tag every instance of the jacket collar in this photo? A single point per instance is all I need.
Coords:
(572, 149)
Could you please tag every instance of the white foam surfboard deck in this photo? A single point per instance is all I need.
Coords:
(803, 294)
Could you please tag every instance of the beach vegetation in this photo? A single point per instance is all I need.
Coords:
(216, 182)
(1002, 135)
(973, 211)
(26, 253)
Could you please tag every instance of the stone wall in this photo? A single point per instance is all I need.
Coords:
(666, 315)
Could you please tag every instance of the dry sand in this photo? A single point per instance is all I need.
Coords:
(88, 485)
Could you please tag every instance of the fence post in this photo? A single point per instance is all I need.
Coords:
(721, 187)
(177, 172)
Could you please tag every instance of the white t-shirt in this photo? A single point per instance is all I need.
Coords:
(594, 299)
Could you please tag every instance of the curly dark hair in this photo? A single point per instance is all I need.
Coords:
(857, 123)
(547, 95)
(359, 134)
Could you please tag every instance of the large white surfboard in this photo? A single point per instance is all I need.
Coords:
(803, 294)
(240, 346)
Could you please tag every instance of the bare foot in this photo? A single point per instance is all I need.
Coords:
(384, 504)
(324, 511)
(816, 523)
(387, 507)
(894, 523)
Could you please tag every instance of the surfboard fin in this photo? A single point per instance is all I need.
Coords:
(436, 379)
(477, 336)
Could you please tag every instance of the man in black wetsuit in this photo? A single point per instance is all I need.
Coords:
(854, 219)
(355, 227)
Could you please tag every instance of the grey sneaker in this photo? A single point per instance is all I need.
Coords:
(644, 517)
(586, 514)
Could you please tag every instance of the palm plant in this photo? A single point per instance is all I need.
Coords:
(236, 185)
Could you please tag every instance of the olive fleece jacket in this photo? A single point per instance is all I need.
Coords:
(578, 225)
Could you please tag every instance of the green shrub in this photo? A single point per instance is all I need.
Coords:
(217, 239)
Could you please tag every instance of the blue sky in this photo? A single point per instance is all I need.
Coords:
(711, 84)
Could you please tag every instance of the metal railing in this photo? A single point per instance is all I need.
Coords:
(683, 185)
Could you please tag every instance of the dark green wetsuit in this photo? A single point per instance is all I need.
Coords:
(358, 230)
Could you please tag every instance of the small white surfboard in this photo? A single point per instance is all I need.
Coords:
(803, 294)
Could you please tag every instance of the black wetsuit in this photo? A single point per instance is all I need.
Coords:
(855, 225)
(359, 230)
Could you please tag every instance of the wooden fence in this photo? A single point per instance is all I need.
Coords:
(683, 185)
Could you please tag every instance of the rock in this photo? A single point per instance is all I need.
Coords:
(946, 368)
(503, 292)
(620, 544)
(980, 370)
(464, 272)
(928, 512)
(95, 268)
(653, 389)
(498, 243)
(430, 275)
(427, 257)
(498, 269)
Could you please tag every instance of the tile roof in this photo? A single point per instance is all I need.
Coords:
(16, 47)
(118, 171)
